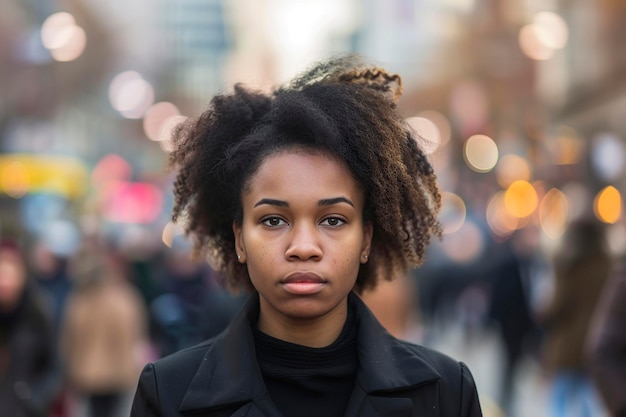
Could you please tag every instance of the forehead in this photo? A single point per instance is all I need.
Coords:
(304, 171)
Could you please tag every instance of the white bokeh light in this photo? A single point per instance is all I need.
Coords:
(130, 94)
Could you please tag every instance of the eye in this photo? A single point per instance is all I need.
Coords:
(273, 221)
(333, 221)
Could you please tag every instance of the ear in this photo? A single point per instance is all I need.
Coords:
(239, 246)
(368, 232)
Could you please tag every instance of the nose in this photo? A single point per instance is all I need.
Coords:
(304, 244)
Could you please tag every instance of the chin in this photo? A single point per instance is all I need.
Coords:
(306, 308)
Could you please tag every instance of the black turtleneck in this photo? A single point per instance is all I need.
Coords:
(304, 381)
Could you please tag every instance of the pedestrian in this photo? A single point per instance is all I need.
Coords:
(30, 372)
(104, 338)
(306, 196)
(511, 271)
(192, 307)
(607, 345)
(582, 265)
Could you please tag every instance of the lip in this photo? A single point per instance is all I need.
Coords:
(303, 283)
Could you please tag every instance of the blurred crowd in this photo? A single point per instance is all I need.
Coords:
(75, 330)
(558, 310)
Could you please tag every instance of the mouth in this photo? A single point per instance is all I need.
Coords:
(303, 283)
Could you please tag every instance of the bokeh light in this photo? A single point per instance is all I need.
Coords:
(432, 130)
(130, 94)
(156, 116)
(547, 33)
(607, 205)
(607, 156)
(131, 202)
(553, 213)
(74, 47)
(520, 199)
(480, 153)
(427, 134)
(65, 40)
(453, 212)
(14, 179)
(110, 168)
(500, 221)
(56, 30)
(166, 130)
(531, 43)
(442, 123)
(551, 29)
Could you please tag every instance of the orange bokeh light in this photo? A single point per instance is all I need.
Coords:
(520, 199)
(608, 205)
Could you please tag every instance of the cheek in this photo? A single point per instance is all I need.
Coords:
(260, 255)
(348, 256)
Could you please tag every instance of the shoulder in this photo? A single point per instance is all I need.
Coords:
(412, 362)
(182, 363)
(450, 369)
(455, 382)
(163, 383)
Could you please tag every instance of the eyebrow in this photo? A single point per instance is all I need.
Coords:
(336, 200)
(323, 202)
(271, 202)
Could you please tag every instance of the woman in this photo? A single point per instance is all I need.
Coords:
(30, 373)
(104, 336)
(306, 197)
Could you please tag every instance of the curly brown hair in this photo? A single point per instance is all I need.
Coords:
(340, 107)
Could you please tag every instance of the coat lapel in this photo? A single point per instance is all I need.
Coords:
(260, 407)
(386, 363)
(387, 368)
(364, 405)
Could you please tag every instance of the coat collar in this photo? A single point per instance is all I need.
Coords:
(229, 375)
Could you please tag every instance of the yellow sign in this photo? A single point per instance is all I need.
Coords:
(21, 174)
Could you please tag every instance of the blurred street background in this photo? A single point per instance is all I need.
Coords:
(520, 105)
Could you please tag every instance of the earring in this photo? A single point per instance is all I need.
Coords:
(239, 257)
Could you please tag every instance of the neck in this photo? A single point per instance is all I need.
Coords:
(315, 332)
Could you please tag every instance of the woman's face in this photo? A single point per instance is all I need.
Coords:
(12, 279)
(303, 236)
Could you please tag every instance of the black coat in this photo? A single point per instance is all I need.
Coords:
(30, 370)
(220, 377)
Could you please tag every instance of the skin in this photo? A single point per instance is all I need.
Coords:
(12, 280)
(303, 239)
